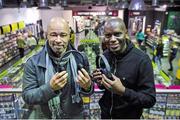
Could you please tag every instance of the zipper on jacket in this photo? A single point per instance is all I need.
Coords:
(112, 101)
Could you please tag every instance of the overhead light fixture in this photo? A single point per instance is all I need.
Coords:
(1, 4)
(107, 10)
(137, 5)
(171, 3)
(155, 2)
(24, 4)
(43, 4)
(64, 3)
(122, 4)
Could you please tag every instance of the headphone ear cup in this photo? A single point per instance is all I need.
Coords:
(107, 73)
(97, 61)
(79, 66)
(61, 68)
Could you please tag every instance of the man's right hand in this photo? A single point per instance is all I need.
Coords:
(97, 76)
(59, 80)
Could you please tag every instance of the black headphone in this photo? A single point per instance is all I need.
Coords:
(103, 65)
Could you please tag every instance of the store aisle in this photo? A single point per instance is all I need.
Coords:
(165, 63)
(165, 66)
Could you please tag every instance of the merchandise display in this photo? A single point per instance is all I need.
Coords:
(167, 106)
(12, 76)
(11, 105)
(92, 109)
(8, 48)
(165, 40)
(11, 102)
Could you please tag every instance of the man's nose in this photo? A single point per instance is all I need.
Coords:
(59, 39)
(113, 39)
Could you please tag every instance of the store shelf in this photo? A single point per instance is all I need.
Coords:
(11, 103)
(10, 90)
(151, 40)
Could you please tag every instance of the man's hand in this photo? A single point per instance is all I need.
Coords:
(97, 76)
(59, 80)
(114, 85)
(84, 79)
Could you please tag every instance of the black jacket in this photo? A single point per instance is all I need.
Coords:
(160, 49)
(135, 71)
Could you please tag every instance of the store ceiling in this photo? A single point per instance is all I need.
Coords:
(17, 3)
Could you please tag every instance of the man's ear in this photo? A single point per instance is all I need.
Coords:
(46, 34)
(127, 36)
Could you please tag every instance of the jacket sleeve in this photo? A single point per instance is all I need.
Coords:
(144, 96)
(32, 92)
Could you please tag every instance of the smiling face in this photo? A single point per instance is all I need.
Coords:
(115, 32)
(58, 35)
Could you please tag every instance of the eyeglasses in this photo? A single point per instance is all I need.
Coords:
(55, 35)
(116, 34)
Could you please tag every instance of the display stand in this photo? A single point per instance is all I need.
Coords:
(11, 103)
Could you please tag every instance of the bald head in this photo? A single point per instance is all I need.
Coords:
(58, 23)
(113, 23)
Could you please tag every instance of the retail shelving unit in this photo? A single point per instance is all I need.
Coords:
(8, 48)
(11, 103)
(167, 105)
(151, 40)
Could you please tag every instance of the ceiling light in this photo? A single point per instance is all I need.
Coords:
(123, 4)
(24, 4)
(155, 2)
(137, 5)
(1, 4)
(43, 4)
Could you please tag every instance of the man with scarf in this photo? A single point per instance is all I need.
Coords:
(131, 87)
(53, 83)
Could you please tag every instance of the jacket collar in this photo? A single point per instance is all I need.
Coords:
(42, 58)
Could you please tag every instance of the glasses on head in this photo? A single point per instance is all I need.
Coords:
(55, 35)
(116, 34)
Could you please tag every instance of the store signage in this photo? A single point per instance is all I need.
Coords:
(21, 24)
(6, 29)
(78, 13)
(136, 13)
(14, 27)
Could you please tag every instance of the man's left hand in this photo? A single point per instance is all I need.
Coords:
(84, 79)
(114, 85)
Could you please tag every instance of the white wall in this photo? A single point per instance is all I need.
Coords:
(46, 15)
(121, 14)
(31, 15)
(12, 15)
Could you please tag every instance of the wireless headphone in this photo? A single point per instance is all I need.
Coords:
(103, 65)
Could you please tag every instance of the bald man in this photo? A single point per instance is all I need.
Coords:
(53, 86)
(131, 87)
